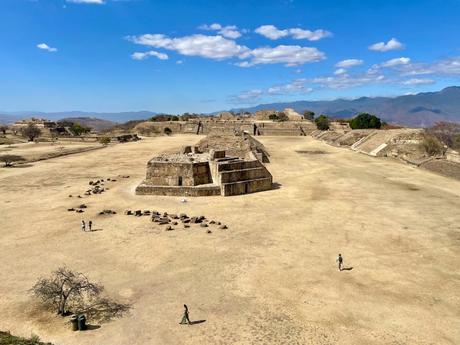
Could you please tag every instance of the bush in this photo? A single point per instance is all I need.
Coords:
(273, 117)
(10, 159)
(104, 140)
(3, 129)
(167, 131)
(7, 339)
(322, 123)
(365, 120)
(308, 115)
(432, 145)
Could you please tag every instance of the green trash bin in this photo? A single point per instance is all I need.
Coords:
(82, 323)
(74, 323)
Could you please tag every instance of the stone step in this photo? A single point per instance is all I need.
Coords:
(238, 165)
(243, 174)
(245, 187)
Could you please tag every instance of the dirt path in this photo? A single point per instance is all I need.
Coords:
(270, 278)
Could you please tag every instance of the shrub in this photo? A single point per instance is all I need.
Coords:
(3, 129)
(308, 115)
(322, 123)
(432, 145)
(273, 117)
(104, 140)
(10, 159)
(282, 117)
(365, 120)
(167, 131)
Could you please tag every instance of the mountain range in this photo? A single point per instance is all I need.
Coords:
(417, 110)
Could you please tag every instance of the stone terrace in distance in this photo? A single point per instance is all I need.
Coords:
(203, 170)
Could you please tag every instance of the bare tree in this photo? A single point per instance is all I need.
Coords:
(31, 131)
(10, 159)
(66, 290)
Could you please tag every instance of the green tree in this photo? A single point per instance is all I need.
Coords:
(282, 117)
(31, 131)
(273, 117)
(322, 122)
(3, 129)
(78, 129)
(308, 115)
(365, 120)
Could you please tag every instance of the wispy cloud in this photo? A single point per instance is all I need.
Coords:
(246, 97)
(273, 33)
(349, 63)
(396, 62)
(297, 86)
(230, 31)
(46, 47)
(288, 55)
(94, 2)
(392, 44)
(145, 55)
(417, 81)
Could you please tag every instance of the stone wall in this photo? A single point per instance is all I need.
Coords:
(175, 174)
(205, 190)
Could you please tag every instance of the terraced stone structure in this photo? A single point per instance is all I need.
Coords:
(205, 171)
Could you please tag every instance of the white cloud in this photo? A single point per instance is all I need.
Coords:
(316, 35)
(349, 63)
(273, 33)
(392, 44)
(179, 62)
(417, 81)
(213, 47)
(44, 46)
(340, 71)
(396, 62)
(230, 31)
(145, 55)
(289, 55)
(246, 97)
(96, 2)
(297, 86)
(346, 81)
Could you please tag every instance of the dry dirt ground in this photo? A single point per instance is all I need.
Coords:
(270, 278)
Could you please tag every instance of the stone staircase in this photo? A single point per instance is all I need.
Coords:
(237, 176)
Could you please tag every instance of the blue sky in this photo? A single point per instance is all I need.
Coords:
(202, 56)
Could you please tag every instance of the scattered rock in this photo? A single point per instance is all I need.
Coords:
(204, 225)
(209, 232)
(138, 213)
(186, 226)
(82, 206)
(223, 227)
(212, 222)
(169, 228)
(79, 211)
(128, 212)
(70, 209)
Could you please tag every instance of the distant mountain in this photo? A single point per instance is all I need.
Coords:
(419, 110)
(10, 117)
(92, 122)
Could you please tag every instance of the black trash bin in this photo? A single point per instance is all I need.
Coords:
(74, 323)
(82, 323)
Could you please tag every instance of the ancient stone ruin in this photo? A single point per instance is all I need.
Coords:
(219, 165)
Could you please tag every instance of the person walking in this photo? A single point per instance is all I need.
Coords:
(339, 261)
(185, 318)
(90, 225)
(83, 225)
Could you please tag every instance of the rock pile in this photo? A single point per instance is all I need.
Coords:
(172, 219)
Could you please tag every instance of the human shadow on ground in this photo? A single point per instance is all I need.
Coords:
(276, 185)
(93, 230)
(20, 166)
(92, 327)
(197, 322)
(347, 268)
